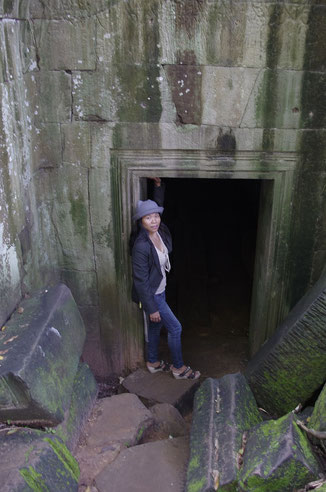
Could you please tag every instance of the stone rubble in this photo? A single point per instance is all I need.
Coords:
(126, 446)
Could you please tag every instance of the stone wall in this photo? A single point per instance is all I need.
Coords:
(81, 79)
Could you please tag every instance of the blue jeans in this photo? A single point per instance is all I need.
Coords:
(174, 329)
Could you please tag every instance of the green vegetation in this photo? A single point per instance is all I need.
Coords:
(33, 479)
(65, 457)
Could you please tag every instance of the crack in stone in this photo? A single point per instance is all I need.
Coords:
(92, 230)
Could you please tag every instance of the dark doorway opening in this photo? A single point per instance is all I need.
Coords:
(214, 227)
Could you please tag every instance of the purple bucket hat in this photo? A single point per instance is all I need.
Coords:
(145, 208)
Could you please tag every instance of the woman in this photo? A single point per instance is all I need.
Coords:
(150, 262)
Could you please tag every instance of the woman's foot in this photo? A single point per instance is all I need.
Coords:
(158, 366)
(185, 372)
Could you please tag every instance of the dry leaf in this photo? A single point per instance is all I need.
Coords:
(10, 339)
(3, 352)
(3, 328)
(20, 310)
(1, 357)
(12, 431)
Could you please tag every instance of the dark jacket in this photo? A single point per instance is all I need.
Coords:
(146, 268)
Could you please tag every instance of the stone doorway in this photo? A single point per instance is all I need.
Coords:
(214, 228)
(273, 175)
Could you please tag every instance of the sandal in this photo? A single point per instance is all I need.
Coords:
(164, 366)
(188, 373)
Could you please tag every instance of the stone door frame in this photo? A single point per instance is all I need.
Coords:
(269, 303)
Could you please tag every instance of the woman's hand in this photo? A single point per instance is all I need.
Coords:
(155, 317)
(157, 181)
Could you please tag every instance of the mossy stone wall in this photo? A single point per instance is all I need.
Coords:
(79, 79)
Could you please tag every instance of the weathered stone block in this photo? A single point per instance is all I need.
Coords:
(66, 45)
(169, 420)
(76, 143)
(162, 388)
(223, 410)
(277, 458)
(15, 9)
(274, 100)
(137, 24)
(155, 466)
(318, 417)
(292, 363)
(83, 397)
(125, 93)
(46, 145)
(63, 10)
(17, 55)
(70, 216)
(124, 418)
(32, 460)
(83, 286)
(49, 95)
(40, 351)
(227, 94)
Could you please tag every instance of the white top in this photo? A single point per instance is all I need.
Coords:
(165, 265)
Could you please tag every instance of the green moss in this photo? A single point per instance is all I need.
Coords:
(308, 211)
(28, 452)
(140, 433)
(261, 472)
(285, 381)
(65, 457)
(289, 476)
(266, 102)
(78, 211)
(33, 479)
(104, 237)
(196, 485)
(8, 6)
(51, 382)
(318, 417)
(193, 463)
(139, 94)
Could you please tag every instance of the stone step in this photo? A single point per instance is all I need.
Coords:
(122, 421)
(291, 365)
(277, 457)
(156, 466)
(40, 348)
(223, 410)
(162, 388)
(118, 419)
(32, 460)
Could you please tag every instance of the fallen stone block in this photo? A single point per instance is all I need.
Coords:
(118, 419)
(223, 410)
(168, 420)
(40, 345)
(83, 398)
(318, 418)
(92, 460)
(158, 466)
(32, 460)
(162, 388)
(291, 365)
(277, 457)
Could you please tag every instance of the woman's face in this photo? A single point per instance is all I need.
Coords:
(151, 222)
